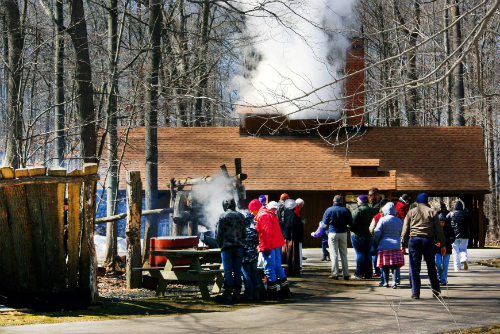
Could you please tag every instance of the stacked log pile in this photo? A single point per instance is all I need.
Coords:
(32, 223)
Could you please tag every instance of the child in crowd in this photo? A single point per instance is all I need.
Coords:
(322, 232)
(250, 256)
(442, 262)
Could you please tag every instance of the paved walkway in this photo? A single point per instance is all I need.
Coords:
(474, 302)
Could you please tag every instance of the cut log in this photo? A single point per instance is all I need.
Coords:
(89, 273)
(34, 200)
(21, 237)
(52, 204)
(133, 229)
(21, 172)
(189, 181)
(74, 228)
(37, 171)
(8, 272)
(90, 168)
(124, 215)
(57, 171)
(46, 179)
(7, 172)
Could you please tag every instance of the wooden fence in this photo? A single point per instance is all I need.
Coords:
(32, 258)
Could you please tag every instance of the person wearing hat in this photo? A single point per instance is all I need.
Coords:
(402, 206)
(231, 235)
(421, 231)
(337, 218)
(270, 242)
(361, 238)
(263, 200)
(461, 221)
(442, 262)
(293, 232)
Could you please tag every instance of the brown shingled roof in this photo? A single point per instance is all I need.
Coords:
(434, 159)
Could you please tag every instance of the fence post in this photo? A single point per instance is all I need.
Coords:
(133, 229)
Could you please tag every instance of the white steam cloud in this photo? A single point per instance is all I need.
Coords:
(211, 196)
(302, 51)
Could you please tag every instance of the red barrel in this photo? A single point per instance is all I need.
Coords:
(167, 243)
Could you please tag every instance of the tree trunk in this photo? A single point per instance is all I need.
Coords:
(412, 71)
(151, 187)
(133, 230)
(83, 76)
(112, 137)
(59, 85)
(15, 63)
(181, 89)
(459, 70)
(447, 54)
(204, 32)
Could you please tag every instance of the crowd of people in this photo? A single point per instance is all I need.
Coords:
(380, 231)
(269, 232)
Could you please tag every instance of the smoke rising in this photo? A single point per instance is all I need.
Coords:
(293, 53)
(211, 195)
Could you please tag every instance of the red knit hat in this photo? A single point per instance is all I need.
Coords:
(254, 205)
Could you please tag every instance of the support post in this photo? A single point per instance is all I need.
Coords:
(133, 229)
(89, 222)
(75, 225)
(480, 220)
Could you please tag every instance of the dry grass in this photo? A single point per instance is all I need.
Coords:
(487, 329)
(489, 263)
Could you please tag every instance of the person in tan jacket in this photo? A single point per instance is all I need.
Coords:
(420, 228)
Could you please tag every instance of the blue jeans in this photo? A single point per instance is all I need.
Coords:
(324, 246)
(250, 278)
(374, 253)
(442, 263)
(362, 247)
(231, 261)
(417, 248)
(272, 265)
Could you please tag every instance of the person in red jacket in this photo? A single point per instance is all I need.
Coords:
(270, 242)
(402, 206)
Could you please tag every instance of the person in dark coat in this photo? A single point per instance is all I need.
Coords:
(231, 234)
(442, 261)
(421, 230)
(293, 232)
(337, 218)
(280, 212)
(375, 199)
(250, 257)
(361, 237)
(461, 222)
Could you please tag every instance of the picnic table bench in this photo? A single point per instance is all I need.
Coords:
(198, 271)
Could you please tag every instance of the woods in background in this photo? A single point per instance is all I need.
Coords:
(76, 75)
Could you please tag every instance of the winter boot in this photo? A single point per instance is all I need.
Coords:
(324, 258)
(271, 290)
(226, 296)
(328, 258)
(284, 288)
(236, 293)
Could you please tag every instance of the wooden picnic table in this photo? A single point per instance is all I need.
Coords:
(198, 271)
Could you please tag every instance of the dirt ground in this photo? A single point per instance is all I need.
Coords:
(116, 302)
